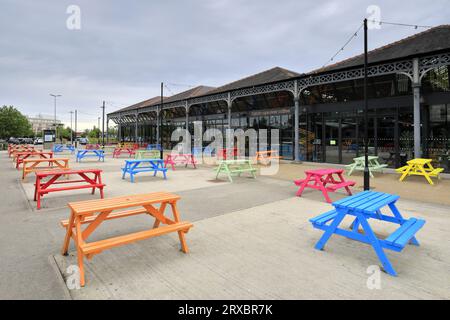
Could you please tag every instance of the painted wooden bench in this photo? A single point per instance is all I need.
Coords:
(87, 179)
(33, 165)
(121, 150)
(21, 156)
(147, 154)
(59, 148)
(93, 146)
(363, 207)
(235, 167)
(19, 148)
(325, 180)
(154, 147)
(94, 213)
(133, 167)
(359, 165)
(94, 153)
(420, 167)
(265, 157)
(183, 159)
(228, 154)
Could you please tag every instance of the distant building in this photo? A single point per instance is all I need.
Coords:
(42, 122)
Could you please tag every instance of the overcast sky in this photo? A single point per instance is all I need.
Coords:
(124, 49)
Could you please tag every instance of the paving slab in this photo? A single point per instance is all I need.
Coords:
(266, 252)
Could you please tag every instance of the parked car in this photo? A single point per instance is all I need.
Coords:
(83, 141)
(13, 140)
(38, 141)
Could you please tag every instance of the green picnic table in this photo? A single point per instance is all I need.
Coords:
(147, 154)
(235, 167)
(359, 164)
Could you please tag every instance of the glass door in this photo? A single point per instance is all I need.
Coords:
(332, 143)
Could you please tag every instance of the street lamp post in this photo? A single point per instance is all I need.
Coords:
(71, 130)
(56, 126)
(366, 114)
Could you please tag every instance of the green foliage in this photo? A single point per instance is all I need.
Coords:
(94, 133)
(65, 133)
(13, 123)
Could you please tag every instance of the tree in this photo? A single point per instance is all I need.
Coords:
(64, 133)
(13, 123)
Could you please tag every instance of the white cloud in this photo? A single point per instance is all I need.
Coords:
(123, 52)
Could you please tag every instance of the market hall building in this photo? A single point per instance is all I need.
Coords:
(320, 114)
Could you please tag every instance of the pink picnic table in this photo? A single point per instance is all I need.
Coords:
(173, 159)
(325, 180)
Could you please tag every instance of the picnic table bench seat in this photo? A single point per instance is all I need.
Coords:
(95, 212)
(403, 235)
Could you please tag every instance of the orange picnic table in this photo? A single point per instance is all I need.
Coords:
(93, 213)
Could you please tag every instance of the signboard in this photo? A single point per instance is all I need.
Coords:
(49, 136)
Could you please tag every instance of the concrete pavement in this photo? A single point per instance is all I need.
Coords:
(251, 240)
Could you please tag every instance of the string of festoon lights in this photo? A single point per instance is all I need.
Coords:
(379, 22)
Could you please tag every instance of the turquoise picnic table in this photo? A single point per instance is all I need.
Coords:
(235, 167)
(359, 164)
(93, 153)
(135, 166)
(363, 207)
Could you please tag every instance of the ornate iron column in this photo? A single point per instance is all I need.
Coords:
(416, 92)
(187, 129)
(229, 103)
(296, 123)
(136, 127)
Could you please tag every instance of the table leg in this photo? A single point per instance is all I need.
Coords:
(352, 168)
(377, 247)
(355, 225)
(79, 243)
(322, 188)
(405, 173)
(68, 236)
(303, 186)
(331, 229)
(176, 217)
(426, 175)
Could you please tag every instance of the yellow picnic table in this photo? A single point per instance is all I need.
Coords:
(420, 167)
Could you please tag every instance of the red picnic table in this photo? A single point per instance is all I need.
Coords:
(325, 180)
(131, 151)
(20, 156)
(231, 152)
(185, 159)
(90, 179)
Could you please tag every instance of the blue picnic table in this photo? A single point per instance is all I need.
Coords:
(58, 148)
(364, 206)
(154, 147)
(134, 166)
(91, 153)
